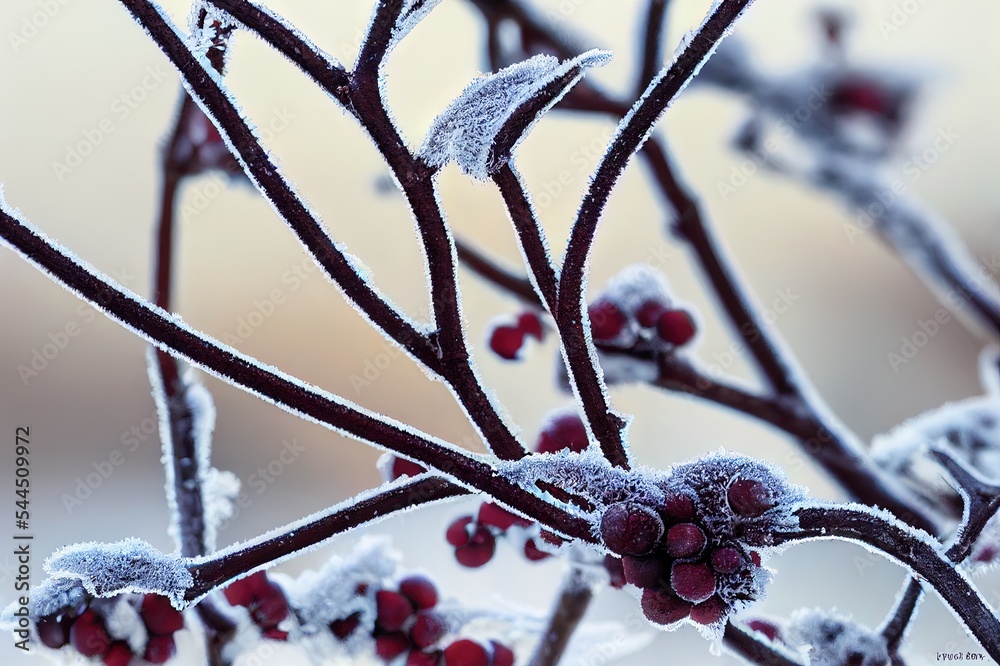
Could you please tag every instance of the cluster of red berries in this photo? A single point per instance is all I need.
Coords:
(506, 340)
(651, 324)
(265, 601)
(406, 623)
(685, 568)
(475, 537)
(86, 630)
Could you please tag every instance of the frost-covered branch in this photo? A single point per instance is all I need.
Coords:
(654, 26)
(574, 598)
(292, 395)
(748, 646)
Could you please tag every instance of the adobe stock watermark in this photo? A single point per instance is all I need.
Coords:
(89, 483)
(926, 330)
(899, 16)
(121, 108)
(57, 341)
(264, 309)
(263, 478)
(31, 25)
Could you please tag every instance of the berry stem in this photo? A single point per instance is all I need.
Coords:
(571, 605)
(654, 25)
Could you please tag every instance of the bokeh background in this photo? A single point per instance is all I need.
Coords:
(856, 302)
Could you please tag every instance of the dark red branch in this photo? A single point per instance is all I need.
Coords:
(652, 44)
(488, 269)
(745, 644)
(571, 605)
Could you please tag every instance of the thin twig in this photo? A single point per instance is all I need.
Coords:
(652, 44)
(745, 644)
(571, 605)
(485, 267)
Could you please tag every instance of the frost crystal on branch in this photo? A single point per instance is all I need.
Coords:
(471, 128)
(832, 640)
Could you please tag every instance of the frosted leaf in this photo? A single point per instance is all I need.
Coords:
(481, 128)
(833, 640)
(107, 569)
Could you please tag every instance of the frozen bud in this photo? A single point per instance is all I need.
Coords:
(159, 616)
(502, 655)
(499, 517)
(649, 313)
(531, 325)
(748, 497)
(390, 646)
(466, 653)
(563, 430)
(89, 636)
(685, 540)
(420, 591)
(427, 629)
(644, 572)
(606, 320)
(675, 327)
(662, 607)
(710, 611)
(726, 560)
(506, 341)
(160, 649)
(393, 610)
(693, 582)
(631, 529)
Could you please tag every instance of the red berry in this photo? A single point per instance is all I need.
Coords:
(859, 95)
(692, 582)
(119, 654)
(649, 312)
(89, 636)
(345, 627)
(749, 498)
(458, 533)
(710, 611)
(403, 467)
(675, 327)
(270, 610)
(275, 634)
(606, 320)
(420, 591)
(530, 324)
(631, 529)
(466, 653)
(390, 646)
(502, 655)
(497, 516)
(662, 607)
(427, 629)
(160, 649)
(533, 552)
(564, 430)
(393, 610)
(685, 540)
(506, 342)
(416, 658)
(615, 571)
(159, 616)
(676, 507)
(243, 592)
(476, 555)
(644, 572)
(769, 629)
(726, 560)
(755, 557)
(51, 632)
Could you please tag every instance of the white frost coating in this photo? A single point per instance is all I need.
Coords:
(834, 640)
(123, 621)
(414, 11)
(107, 569)
(50, 596)
(466, 130)
(199, 41)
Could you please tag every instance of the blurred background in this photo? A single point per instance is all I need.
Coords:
(69, 70)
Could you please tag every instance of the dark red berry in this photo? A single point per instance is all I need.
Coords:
(615, 571)
(403, 467)
(662, 607)
(631, 529)
(460, 531)
(502, 655)
(119, 654)
(472, 550)
(859, 95)
(499, 517)
(476, 555)
(427, 629)
(533, 552)
(649, 312)
(748, 497)
(755, 557)
(685, 540)
(530, 324)
(159, 616)
(420, 591)
(243, 592)
(726, 560)
(275, 634)
(270, 610)
(160, 649)
(466, 653)
(563, 431)
(675, 327)
(345, 627)
(692, 582)
(416, 658)
(390, 646)
(644, 572)
(51, 632)
(676, 507)
(393, 610)
(709, 611)
(606, 320)
(506, 341)
(89, 636)
(769, 629)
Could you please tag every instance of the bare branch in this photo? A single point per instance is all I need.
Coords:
(652, 43)
(571, 605)
(747, 645)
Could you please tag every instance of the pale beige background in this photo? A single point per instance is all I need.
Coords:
(856, 300)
